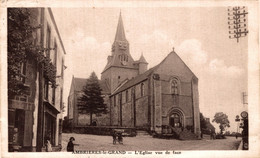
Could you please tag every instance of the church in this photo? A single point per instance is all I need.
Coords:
(164, 96)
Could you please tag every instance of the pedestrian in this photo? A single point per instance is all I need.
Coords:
(114, 136)
(70, 146)
(120, 138)
(236, 136)
(48, 141)
(48, 146)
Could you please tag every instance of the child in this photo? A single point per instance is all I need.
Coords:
(120, 138)
(114, 137)
(70, 146)
(48, 146)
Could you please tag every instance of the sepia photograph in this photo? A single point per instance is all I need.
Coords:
(130, 80)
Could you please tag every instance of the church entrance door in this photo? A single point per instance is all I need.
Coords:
(175, 120)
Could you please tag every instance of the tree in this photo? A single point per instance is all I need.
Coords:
(92, 101)
(22, 27)
(221, 119)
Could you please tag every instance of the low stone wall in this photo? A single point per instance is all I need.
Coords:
(99, 130)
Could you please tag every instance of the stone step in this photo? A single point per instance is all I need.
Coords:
(142, 133)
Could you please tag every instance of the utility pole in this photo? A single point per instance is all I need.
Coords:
(237, 22)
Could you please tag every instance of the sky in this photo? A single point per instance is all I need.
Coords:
(199, 35)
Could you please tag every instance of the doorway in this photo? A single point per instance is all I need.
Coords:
(175, 120)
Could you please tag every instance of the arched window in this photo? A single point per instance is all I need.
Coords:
(174, 87)
(142, 89)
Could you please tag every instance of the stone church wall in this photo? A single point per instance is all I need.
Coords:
(183, 101)
(141, 104)
(117, 75)
(142, 112)
(127, 115)
(114, 110)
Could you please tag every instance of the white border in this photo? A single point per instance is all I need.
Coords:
(253, 69)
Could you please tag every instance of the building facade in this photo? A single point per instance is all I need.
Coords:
(36, 116)
(163, 96)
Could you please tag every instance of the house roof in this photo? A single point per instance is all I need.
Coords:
(79, 84)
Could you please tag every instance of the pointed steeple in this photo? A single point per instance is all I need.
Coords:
(142, 59)
(121, 56)
(120, 32)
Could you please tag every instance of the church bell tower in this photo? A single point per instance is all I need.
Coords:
(120, 64)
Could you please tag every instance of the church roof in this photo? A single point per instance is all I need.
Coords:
(104, 86)
(146, 74)
(136, 80)
(120, 32)
(79, 84)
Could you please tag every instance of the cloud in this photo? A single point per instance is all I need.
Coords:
(86, 54)
(193, 55)
(155, 47)
(158, 36)
(218, 67)
(160, 44)
(192, 52)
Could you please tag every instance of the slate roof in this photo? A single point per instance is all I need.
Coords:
(142, 59)
(79, 83)
(104, 86)
(145, 75)
(120, 32)
(136, 80)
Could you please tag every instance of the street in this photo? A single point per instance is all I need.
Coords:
(96, 142)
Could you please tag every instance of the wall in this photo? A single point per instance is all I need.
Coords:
(60, 52)
(141, 103)
(112, 75)
(135, 110)
(114, 110)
